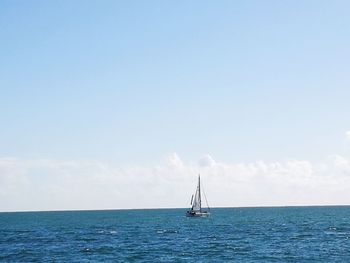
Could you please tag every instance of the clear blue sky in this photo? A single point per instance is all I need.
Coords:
(131, 81)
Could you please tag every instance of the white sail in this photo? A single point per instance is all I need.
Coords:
(197, 202)
(196, 206)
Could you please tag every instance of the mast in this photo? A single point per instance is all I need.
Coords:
(199, 190)
(196, 199)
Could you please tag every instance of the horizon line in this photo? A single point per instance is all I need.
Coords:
(168, 208)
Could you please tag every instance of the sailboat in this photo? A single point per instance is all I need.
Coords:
(196, 203)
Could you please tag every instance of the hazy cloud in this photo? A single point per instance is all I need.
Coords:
(206, 161)
(174, 161)
(57, 184)
(347, 135)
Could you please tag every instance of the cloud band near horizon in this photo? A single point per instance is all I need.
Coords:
(43, 184)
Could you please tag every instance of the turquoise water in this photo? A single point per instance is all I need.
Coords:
(294, 234)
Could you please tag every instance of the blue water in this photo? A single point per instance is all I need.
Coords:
(294, 234)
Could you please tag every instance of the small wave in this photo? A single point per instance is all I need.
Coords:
(87, 250)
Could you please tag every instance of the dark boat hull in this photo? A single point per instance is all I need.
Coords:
(197, 214)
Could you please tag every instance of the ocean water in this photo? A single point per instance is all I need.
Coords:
(291, 234)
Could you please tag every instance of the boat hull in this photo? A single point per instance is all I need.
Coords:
(197, 214)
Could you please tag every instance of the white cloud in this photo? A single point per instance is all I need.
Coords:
(55, 184)
(206, 161)
(174, 161)
(339, 164)
(347, 135)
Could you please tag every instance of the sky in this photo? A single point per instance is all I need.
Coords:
(120, 104)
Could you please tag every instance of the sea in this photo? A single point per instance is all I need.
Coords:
(276, 234)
